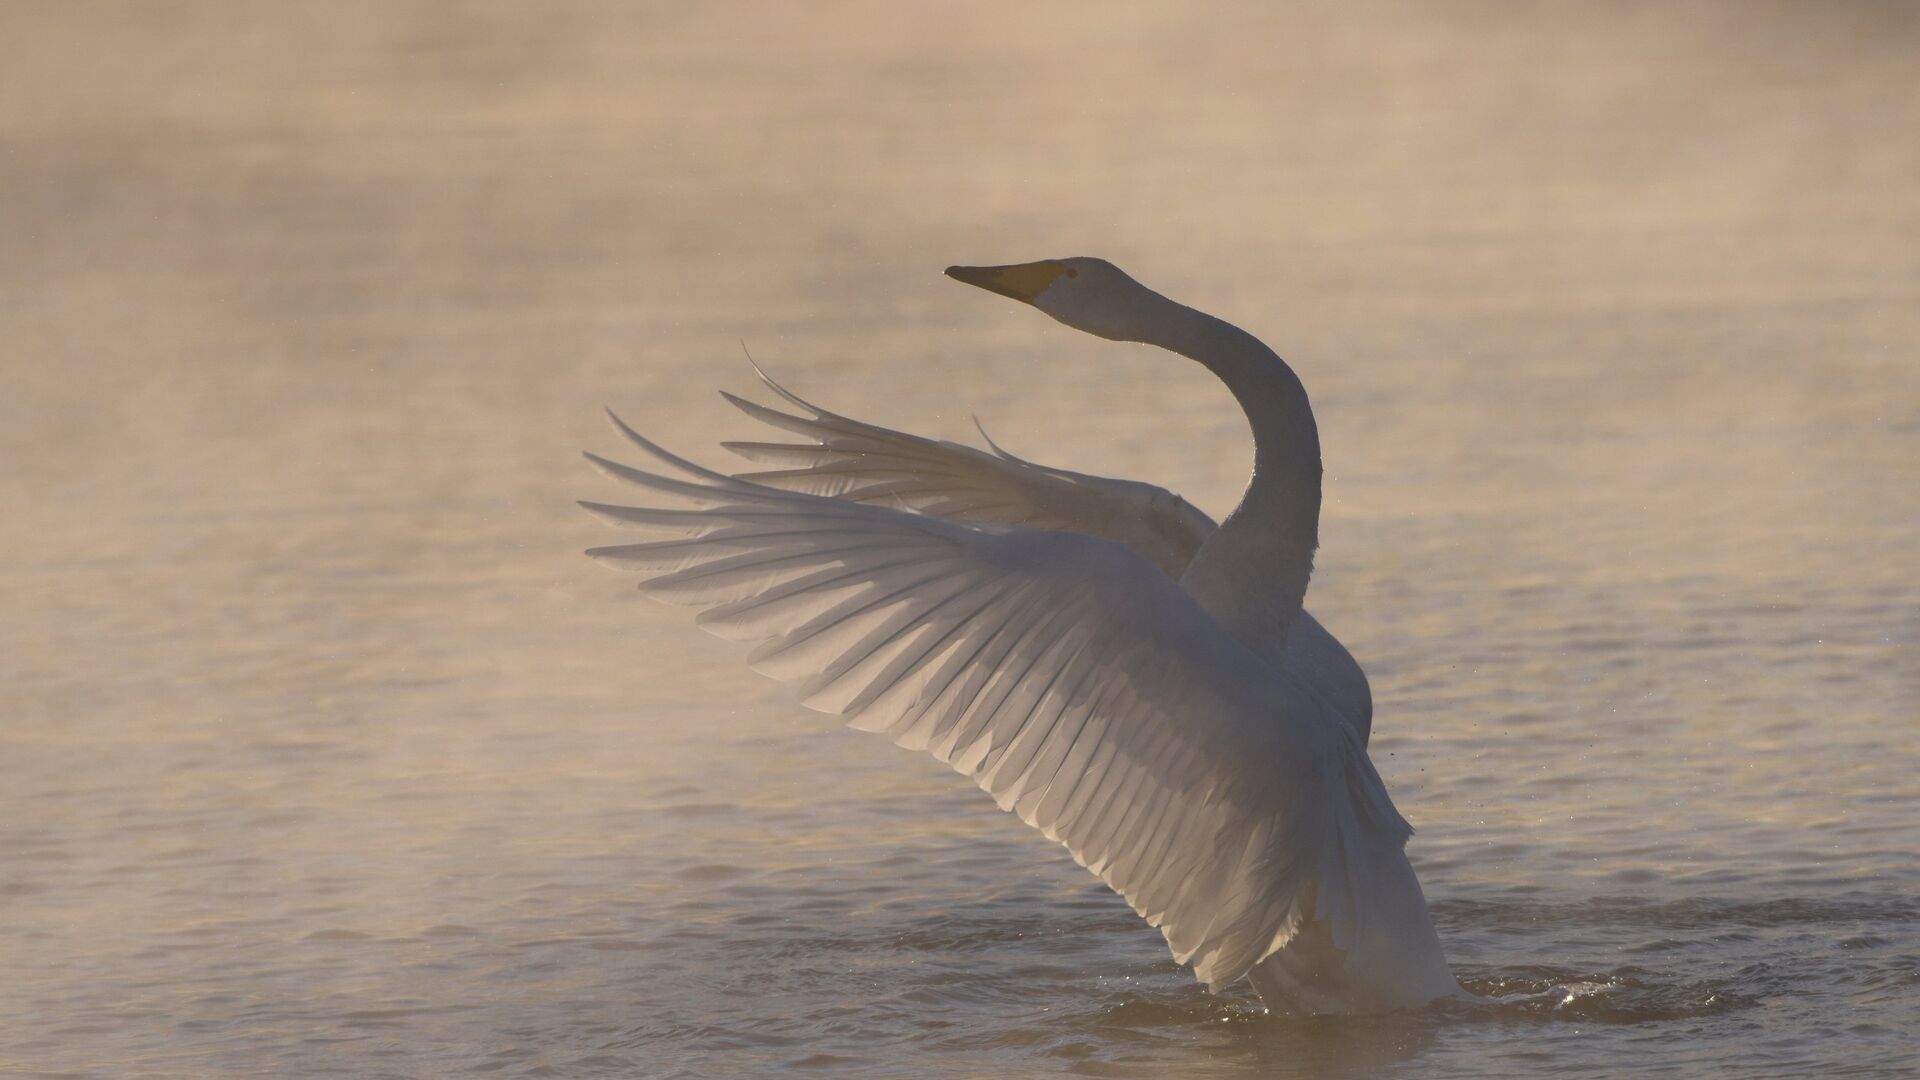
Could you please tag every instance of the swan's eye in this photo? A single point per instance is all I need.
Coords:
(1071, 272)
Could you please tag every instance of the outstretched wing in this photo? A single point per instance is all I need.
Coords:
(1069, 678)
(850, 459)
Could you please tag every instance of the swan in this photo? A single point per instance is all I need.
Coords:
(1139, 684)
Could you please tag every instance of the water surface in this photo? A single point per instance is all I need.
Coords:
(323, 752)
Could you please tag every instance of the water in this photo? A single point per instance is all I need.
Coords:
(325, 753)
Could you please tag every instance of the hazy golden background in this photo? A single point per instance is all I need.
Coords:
(323, 751)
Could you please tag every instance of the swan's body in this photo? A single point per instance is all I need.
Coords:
(1199, 745)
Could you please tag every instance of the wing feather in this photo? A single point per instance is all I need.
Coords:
(851, 459)
(861, 462)
(1070, 678)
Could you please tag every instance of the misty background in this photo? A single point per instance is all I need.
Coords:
(322, 749)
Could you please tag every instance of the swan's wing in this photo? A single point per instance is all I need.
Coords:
(1073, 681)
(849, 459)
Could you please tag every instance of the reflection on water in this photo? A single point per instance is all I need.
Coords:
(325, 752)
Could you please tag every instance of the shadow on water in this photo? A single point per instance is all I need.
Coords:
(1020, 980)
(1072, 978)
(1237, 1037)
(1232, 1034)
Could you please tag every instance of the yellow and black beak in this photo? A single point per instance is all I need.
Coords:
(1022, 281)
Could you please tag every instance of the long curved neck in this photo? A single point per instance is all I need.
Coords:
(1252, 573)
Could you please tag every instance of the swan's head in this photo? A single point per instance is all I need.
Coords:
(1090, 295)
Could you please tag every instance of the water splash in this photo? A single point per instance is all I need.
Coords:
(1627, 995)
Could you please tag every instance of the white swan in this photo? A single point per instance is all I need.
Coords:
(1199, 745)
